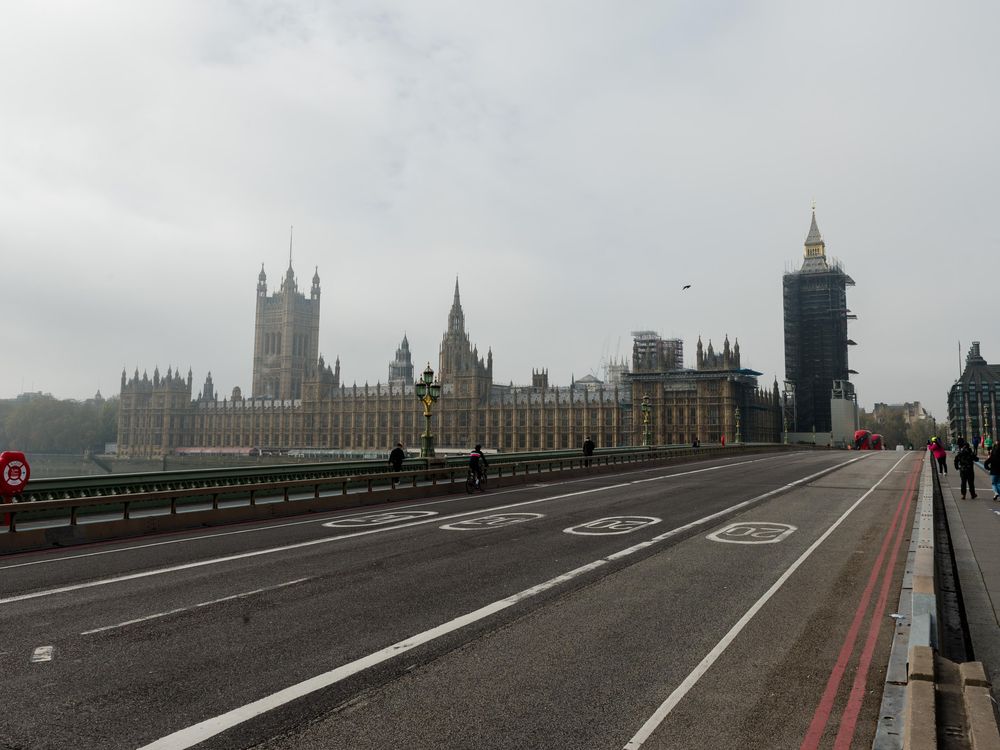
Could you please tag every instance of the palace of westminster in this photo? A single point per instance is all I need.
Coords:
(298, 403)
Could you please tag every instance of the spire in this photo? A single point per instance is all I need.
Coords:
(815, 247)
(456, 318)
(314, 294)
(262, 282)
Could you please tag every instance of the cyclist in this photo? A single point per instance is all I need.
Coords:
(478, 464)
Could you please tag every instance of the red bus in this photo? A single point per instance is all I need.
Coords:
(876, 443)
(862, 440)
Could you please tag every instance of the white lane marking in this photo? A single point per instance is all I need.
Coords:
(612, 525)
(752, 532)
(495, 521)
(43, 653)
(438, 501)
(340, 537)
(378, 518)
(696, 674)
(196, 733)
(195, 606)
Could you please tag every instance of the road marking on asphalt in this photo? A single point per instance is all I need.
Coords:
(495, 521)
(699, 671)
(612, 525)
(42, 653)
(242, 595)
(192, 735)
(382, 529)
(438, 501)
(378, 518)
(752, 532)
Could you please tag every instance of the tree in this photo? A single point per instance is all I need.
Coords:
(44, 424)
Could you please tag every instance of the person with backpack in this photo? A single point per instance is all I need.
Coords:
(965, 462)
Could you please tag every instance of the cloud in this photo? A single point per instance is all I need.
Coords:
(570, 162)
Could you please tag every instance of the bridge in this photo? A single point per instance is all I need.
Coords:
(752, 596)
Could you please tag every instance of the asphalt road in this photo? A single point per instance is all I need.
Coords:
(517, 618)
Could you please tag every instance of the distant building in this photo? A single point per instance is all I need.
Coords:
(301, 405)
(401, 368)
(286, 337)
(972, 400)
(910, 412)
(816, 315)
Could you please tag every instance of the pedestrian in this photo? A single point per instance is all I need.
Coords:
(992, 465)
(965, 462)
(939, 453)
(588, 450)
(975, 445)
(396, 460)
(477, 466)
(988, 444)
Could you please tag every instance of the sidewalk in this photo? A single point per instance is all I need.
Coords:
(975, 538)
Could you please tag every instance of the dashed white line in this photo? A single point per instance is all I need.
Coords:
(147, 618)
(42, 653)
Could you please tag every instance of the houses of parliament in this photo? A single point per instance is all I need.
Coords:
(298, 403)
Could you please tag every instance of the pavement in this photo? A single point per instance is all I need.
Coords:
(975, 533)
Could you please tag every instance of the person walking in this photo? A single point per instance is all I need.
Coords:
(940, 455)
(965, 462)
(588, 450)
(992, 465)
(396, 460)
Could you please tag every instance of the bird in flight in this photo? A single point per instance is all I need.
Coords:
(686, 286)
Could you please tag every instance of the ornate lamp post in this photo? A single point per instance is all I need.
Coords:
(784, 418)
(428, 391)
(645, 421)
(987, 425)
(736, 413)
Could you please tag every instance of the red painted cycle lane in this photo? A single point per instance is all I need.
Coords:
(821, 717)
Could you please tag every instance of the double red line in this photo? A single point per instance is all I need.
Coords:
(849, 719)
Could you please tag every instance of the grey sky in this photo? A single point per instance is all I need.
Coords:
(573, 163)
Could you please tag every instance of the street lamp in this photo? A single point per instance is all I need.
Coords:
(736, 413)
(646, 440)
(428, 391)
(784, 418)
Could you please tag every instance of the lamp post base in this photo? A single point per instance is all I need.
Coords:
(427, 445)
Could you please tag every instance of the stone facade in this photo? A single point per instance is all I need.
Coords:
(972, 400)
(158, 416)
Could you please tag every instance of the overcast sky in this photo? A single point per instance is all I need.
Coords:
(572, 163)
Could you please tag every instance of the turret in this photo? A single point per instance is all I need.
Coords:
(314, 294)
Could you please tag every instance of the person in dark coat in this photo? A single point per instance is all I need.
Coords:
(588, 450)
(992, 465)
(965, 462)
(396, 459)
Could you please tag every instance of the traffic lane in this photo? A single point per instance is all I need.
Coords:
(42, 570)
(589, 668)
(501, 561)
(103, 558)
(136, 598)
(167, 647)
